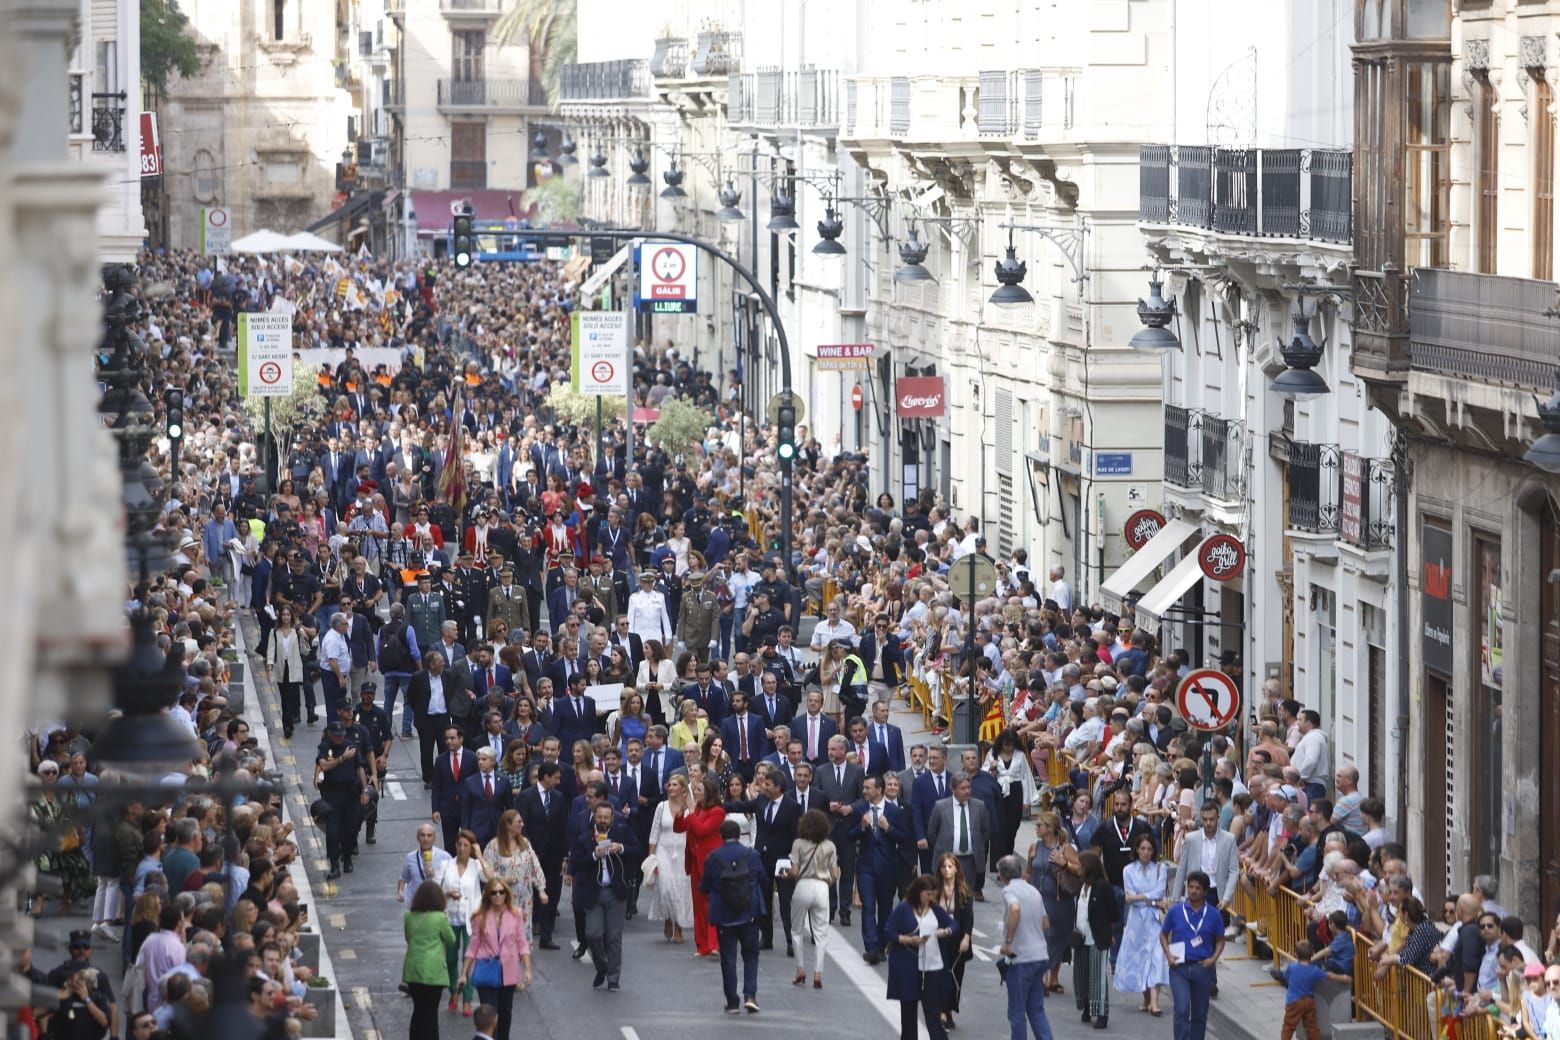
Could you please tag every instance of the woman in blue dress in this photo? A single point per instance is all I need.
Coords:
(1141, 966)
(1048, 856)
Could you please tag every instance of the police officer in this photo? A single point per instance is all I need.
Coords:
(459, 609)
(698, 617)
(853, 681)
(359, 735)
(471, 591)
(763, 620)
(342, 780)
(668, 584)
(599, 586)
(375, 724)
(506, 602)
(779, 591)
(426, 611)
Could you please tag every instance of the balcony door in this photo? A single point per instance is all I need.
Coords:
(468, 155)
(468, 84)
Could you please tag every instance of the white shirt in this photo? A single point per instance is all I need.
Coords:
(828, 631)
(1061, 592)
(1210, 854)
(1310, 757)
(647, 617)
(436, 705)
(334, 647)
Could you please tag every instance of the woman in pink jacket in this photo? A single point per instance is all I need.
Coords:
(497, 932)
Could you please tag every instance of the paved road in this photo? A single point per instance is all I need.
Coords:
(666, 994)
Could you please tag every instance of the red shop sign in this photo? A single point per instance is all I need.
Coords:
(920, 397)
(1222, 557)
(1142, 526)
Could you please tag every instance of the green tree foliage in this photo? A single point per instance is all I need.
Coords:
(550, 29)
(288, 414)
(167, 49)
(578, 409)
(556, 201)
(681, 428)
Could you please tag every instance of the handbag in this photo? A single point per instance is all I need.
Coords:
(488, 972)
(1068, 884)
(648, 870)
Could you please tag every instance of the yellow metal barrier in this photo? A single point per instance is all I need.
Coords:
(1056, 767)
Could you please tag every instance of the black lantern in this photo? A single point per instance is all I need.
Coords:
(912, 257)
(830, 228)
(566, 152)
(1155, 313)
(637, 167)
(598, 164)
(1010, 272)
(782, 213)
(730, 199)
(673, 178)
(1300, 380)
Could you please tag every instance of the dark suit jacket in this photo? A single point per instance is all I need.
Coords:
(826, 729)
(545, 829)
(558, 672)
(506, 680)
(758, 742)
(479, 813)
(557, 607)
(781, 716)
(671, 761)
(570, 725)
(876, 762)
(636, 647)
(446, 790)
(815, 799)
(891, 655)
(924, 797)
(881, 851)
(418, 692)
(895, 746)
(848, 792)
(535, 668)
(713, 701)
(626, 794)
(587, 870)
(774, 837)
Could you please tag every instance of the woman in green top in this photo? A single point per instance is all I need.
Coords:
(429, 938)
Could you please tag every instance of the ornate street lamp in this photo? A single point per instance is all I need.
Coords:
(1010, 272)
(1156, 313)
(912, 257)
(730, 200)
(1300, 380)
(830, 228)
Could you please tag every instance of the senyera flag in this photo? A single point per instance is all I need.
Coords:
(452, 481)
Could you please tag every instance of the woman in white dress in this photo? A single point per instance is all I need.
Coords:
(736, 791)
(462, 879)
(673, 902)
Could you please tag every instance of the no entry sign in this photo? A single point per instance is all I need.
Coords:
(668, 277)
(1208, 699)
(600, 365)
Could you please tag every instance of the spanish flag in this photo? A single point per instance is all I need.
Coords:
(993, 724)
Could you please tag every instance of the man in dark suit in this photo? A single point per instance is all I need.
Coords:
(632, 643)
(887, 734)
(777, 818)
(870, 755)
(659, 760)
(960, 825)
(488, 674)
(802, 793)
(566, 664)
(814, 729)
(735, 923)
(428, 696)
(880, 651)
(561, 600)
(932, 786)
(574, 715)
(839, 787)
(452, 769)
(538, 660)
(599, 863)
(744, 736)
(771, 703)
(620, 787)
(484, 795)
(881, 831)
(545, 812)
(707, 695)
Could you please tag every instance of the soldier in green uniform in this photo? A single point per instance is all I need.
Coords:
(426, 612)
(598, 585)
(698, 617)
(506, 602)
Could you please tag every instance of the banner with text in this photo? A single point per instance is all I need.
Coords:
(844, 357)
(920, 397)
(265, 362)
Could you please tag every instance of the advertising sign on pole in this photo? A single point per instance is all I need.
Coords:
(601, 365)
(265, 364)
(668, 278)
(216, 231)
(151, 146)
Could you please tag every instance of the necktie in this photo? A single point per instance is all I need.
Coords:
(801, 798)
(614, 779)
(861, 753)
(812, 736)
(874, 821)
(839, 775)
(492, 679)
(942, 791)
(964, 829)
(742, 729)
(769, 817)
(882, 735)
(546, 803)
(771, 709)
(455, 767)
(655, 764)
(487, 781)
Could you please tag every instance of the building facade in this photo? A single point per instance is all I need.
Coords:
(105, 118)
(1454, 339)
(262, 127)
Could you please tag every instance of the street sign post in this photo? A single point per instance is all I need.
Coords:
(972, 577)
(216, 231)
(1208, 700)
(780, 400)
(601, 365)
(265, 369)
(668, 277)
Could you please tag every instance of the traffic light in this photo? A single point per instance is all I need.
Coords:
(175, 414)
(785, 428)
(464, 249)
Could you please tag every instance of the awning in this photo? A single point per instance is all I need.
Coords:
(433, 207)
(359, 203)
(1142, 563)
(1171, 587)
(594, 283)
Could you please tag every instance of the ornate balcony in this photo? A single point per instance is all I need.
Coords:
(108, 122)
(1298, 193)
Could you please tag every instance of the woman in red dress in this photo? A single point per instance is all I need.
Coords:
(702, 826)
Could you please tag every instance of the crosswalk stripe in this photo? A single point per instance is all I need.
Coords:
(395, 791)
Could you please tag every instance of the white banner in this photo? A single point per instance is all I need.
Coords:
(265, 362)
(601, 365)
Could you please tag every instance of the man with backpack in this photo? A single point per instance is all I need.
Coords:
(399, 657)
(733, 880)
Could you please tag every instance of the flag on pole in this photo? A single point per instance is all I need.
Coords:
(452, 481)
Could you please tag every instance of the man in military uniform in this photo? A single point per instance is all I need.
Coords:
(598, 586)
(698, 617)
(506, 602)
(459, 609)
(426, 612)
(471, 591)
(527, 558)
(342, 781)
(375, 724)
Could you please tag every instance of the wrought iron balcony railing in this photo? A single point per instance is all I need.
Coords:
(108, 122)
(1304, 193)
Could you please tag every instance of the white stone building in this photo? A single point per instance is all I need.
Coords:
(105, 117)
(261, 128)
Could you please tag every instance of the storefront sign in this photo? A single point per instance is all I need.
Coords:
(1435, 597)
(151, 146)
(844, 357)
(1222, 557)
(1142, 526)
(920, 397)
(1351, 510)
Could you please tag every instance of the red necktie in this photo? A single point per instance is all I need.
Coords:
(455, 766)
(742, 728)
(489, 782)
(492, 679)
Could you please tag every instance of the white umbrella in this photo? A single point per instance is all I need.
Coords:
(262, 242)
(307, 242)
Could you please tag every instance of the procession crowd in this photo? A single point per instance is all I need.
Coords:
(622, 694)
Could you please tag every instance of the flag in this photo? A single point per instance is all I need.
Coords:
(452, 481)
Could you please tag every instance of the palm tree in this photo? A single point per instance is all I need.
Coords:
(550, 28)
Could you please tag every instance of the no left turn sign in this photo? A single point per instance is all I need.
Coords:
(1208, 699)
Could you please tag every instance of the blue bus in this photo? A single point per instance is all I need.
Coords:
(514, 241)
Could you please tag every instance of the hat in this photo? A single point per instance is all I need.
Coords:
(368, 485)
(769, 561)
(80, 937)
(1109, 682)
(1535, 970)
(335, 729)
(424, 576)
(770, 641)
(695, 577)
(343, 705)
(1288, 792)
(465, 554)
(506, 569)
(598, 558)
(369, 687)
(648, 575)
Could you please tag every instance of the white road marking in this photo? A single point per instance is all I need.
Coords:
(395, 792)
(873, 986)
(629, 1033)
(978, 933)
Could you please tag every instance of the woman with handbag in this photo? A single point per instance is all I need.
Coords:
(1097, 915)
(463, 880)
(1054, 870)
(815, 868)
(498, 959)
(917, 973)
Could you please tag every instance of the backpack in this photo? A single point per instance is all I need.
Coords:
(735, 885)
